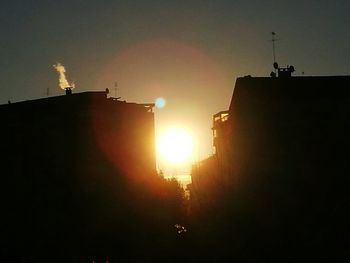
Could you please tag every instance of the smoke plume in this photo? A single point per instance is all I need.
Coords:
(63, 82)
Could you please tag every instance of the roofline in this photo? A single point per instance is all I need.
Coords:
(57, 97)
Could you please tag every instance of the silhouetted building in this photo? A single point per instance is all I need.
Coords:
(281, 125)
(282, 154)
(61, 157)
(44, 135)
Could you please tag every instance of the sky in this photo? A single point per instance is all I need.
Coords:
(188, 52)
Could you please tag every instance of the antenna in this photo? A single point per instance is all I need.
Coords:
(115, 88)
(273, 40)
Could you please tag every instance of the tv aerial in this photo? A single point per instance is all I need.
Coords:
(273, 40)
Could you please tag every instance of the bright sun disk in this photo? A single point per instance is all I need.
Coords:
(175, 145)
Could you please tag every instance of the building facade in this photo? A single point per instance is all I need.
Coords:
(63, 163)
(287, 133)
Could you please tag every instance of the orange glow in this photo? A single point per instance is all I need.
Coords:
(175, 146)
(182, 79)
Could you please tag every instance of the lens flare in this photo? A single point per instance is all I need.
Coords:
(160, 102)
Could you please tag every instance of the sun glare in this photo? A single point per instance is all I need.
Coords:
(175, 146)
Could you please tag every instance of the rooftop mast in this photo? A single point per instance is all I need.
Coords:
(273, 40)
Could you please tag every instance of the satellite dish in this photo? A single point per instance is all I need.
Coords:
(275, 65)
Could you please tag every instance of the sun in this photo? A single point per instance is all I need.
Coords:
(175, 145)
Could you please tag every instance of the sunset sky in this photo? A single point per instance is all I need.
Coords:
(188, 52)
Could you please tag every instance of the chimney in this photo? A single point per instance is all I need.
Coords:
(68, 90)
